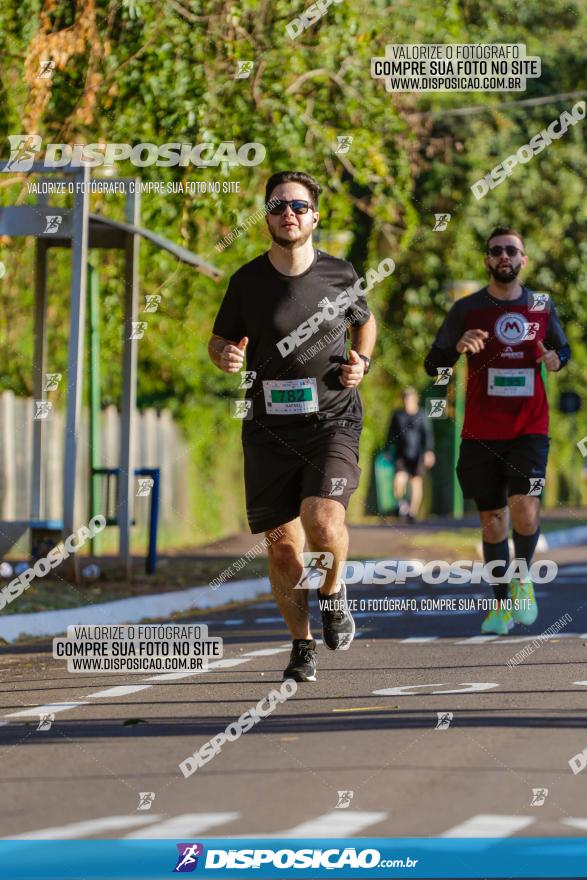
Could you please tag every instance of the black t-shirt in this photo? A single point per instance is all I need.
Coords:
(411, 434)
(296, 330)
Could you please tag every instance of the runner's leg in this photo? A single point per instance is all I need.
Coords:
(323, 520)
(525, 514)
(494, 530)
(416, 493)
(400, 482)
(285, 569)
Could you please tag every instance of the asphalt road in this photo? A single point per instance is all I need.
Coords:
(369, 726)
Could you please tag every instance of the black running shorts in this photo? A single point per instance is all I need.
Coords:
(412, 466)
(280, 473)
(491, 470)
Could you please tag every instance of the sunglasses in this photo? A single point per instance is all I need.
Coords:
(498, 249)
(298, 206)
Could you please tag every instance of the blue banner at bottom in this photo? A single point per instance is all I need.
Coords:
(288, 858)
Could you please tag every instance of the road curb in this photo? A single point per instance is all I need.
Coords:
(131, 610)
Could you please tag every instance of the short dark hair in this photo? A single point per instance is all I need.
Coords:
(306, 180)
(504, 230)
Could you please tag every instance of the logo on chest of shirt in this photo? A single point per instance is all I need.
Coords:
(508, 352)
(513, 329)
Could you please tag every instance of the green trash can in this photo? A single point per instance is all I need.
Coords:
(384, 472)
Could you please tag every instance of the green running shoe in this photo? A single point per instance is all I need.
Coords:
(522, 595)
(498, 621)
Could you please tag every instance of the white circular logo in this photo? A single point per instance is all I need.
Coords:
(510, 328)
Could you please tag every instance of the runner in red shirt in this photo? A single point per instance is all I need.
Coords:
(507, 332)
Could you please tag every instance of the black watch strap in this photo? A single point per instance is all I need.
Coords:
(367, 362)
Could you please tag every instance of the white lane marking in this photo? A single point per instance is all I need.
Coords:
(229, 622)
(489, 825)
(84, 829)
(268, 620)
(186, 825)
(476, 640)
(216, 664)
(337, 823)
(121, 690)
(417, 639)
(467, 687)
(45, 710)
(582, 683)
(266, 652)
(576, 823)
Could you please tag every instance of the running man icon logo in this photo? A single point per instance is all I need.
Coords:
(530, 330)
(344, 799)
(52, 381)
(46, 69)
(344, 142)
(441, 222)
(187, 859)
(45, 721)
(436, 408)
(41, 410)
(539, 795)
(539, 302)
(444, 719)
(536, 486)
(316, 564)
(243, 69)
(52, 223)
(338, 485)
(146, 799)
(137, 329)
(23, 150)
(243, 409)
(152, 302)
(145, 486)
(444, 374)
(247, 378)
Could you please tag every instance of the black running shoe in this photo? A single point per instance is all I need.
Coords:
(302, 661)
(338, 627)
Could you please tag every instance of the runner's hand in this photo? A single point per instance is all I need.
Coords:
(472, 341)
(429, 459)
(232, 357)
(549, 358)
(352, 373)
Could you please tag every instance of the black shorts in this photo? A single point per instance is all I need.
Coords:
(279, 474)
(413, 466)
(491, 470)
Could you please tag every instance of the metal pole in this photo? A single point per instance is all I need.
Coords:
(95, 398)
(79, 246)
(129, 384)
(39, 367)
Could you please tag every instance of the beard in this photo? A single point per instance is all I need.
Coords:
(504, 275)
(287, 243)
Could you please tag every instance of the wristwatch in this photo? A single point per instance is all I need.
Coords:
(367, 362)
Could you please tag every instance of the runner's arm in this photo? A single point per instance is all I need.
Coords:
(229, 330)
(444, 352)
(427, 434)
(555, 338)
(363, 336)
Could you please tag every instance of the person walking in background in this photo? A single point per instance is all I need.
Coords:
(411, 442)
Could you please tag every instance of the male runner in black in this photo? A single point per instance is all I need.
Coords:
(507, 332)
(411, 439)
(289, 309)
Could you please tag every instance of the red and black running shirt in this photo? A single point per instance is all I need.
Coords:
(505, 393)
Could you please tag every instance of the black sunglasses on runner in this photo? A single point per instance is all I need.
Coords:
(298, 206)
(497, 249)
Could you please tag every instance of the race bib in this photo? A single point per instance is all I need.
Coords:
(510, 383)
(285, 397)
